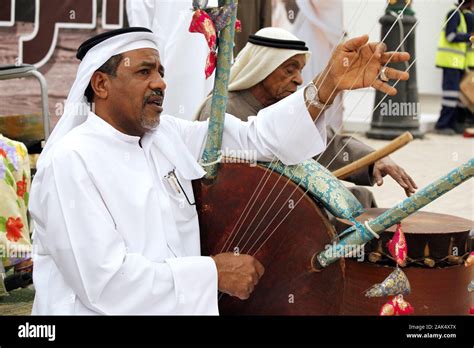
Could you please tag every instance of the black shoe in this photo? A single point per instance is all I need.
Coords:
(445, 131)
(459, 127)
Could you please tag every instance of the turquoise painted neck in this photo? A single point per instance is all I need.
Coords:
(212, 152)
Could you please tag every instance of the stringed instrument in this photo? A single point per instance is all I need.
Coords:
(282, 239)
(277, 213)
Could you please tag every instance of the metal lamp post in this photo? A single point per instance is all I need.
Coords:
(398, 114)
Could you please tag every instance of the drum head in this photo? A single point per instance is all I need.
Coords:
(430, 236)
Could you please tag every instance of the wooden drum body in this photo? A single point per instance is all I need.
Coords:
(237, 214)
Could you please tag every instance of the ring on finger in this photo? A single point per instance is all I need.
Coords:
(382, 75)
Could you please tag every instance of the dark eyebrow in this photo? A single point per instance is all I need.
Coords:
(147, 64)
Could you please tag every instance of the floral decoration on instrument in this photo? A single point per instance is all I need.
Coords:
(209, 22)
(397, 306)
(396, 284)
(398, 247)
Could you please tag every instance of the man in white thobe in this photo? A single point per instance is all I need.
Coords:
(112, 235)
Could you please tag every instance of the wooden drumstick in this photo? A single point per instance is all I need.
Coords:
(393, 146)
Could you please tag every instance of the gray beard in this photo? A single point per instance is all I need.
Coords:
(148, 124)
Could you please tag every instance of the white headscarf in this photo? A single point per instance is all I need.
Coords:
(76, 108)
(254, 63)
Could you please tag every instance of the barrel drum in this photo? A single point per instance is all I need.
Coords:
(437, 247)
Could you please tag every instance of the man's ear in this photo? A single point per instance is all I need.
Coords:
(100, 83)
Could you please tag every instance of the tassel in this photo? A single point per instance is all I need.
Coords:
(202, 23)
(238, 25)
(210, 63)
(388, 309)
(398, 247)
(397, 306)
(396, 283)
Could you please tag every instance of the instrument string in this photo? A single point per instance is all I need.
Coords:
(290, 179)
(273, 163)
(357, 104)
(296, 204)
(351, 137)
(408, 68)
(231, 237)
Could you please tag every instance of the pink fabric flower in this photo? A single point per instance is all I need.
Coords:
(396, 306)
(398, 247)
(202, 23)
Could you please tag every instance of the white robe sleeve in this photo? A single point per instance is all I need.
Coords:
(284, 130)
(78, 232)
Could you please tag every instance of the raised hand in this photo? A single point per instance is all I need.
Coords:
(357, 64)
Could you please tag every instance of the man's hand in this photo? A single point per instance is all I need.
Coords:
(357, 64)
(237, 274)
(386, 166)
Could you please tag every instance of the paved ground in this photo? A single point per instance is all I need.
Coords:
(18, 302)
